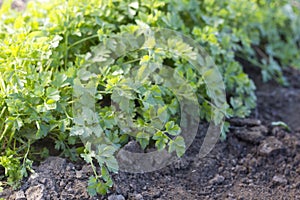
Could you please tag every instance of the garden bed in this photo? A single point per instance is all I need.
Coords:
(257, 161)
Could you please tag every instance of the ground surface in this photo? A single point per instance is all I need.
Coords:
(257, 161)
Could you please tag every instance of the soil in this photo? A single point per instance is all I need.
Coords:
(257, 160)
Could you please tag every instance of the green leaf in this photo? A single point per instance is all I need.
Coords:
(177, 145)
(161, 140)
(81, 131)
(172, 128)
(100, 53)
(162, 113)
(105, 173)
(123, 98)
(143, 138)
(87, 157)
(52, 93)
(60, 80)
(106, 150)
(105, 155)
(101, 188)
(85, 75)
(112, 164)
(92, 185)
(42, 130)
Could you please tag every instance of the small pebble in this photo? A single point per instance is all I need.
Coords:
(78, 174)
(279, 179)
(20, 195)
(138, 197)
(116, 197)
(269, 146)
(218, 179)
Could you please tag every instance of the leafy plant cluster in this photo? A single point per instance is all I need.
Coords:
(51, 51)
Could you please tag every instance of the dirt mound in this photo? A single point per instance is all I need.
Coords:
(236, 169)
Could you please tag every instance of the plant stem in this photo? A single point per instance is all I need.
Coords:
(67, 37)
(2, 112)
(131, 61)
(26, 154)
(4, 132)
(82, 40)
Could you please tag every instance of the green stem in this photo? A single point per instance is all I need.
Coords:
(2, 112)
(94, 170)
(11, 136)
(67, 36)
(2, 85)
(26, 154)
(212, 105)
(82, 40)
(66, 49)
(164, 132)
(4, 132)
(131, 61)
